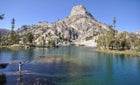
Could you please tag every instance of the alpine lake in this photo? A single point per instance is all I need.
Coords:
(68, 65)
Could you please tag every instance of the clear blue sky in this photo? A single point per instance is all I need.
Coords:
(30, 12)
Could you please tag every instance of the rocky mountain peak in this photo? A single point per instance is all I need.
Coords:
(79, 10)
(78, 28)
(137, 32)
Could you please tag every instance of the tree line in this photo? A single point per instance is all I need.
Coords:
(115, 40)
(13, 37)
(120, 41)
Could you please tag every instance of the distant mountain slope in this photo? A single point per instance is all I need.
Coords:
(4, 31)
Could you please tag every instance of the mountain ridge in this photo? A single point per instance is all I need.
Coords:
(77, 28)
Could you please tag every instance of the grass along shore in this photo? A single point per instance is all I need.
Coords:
(4, 46)
(126, 52)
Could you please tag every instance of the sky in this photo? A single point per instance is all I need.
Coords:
(29, 12)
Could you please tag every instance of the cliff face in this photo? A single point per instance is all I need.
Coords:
(79, 10)
(79, 27)
(137, 32)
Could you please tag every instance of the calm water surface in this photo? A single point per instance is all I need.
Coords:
(68, 66)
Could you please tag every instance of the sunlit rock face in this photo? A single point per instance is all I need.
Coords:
(79, 10)
(137, 32)
(80, 26)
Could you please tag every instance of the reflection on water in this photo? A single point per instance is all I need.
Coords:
(69, 66)
(3, 79)
(20, 79)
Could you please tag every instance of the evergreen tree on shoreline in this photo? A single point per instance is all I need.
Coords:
(14, 37)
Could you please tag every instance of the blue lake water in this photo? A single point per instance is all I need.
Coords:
(68, 65)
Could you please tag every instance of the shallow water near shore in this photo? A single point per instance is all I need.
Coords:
(68, 65)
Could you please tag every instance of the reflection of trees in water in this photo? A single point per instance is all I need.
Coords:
(0, 52)
(124, 59)
(36, 81)
(3, 79)
(24, 78)
(15, 55)
(20, 79)
(138, 62)
(42, 81)
(29, 55)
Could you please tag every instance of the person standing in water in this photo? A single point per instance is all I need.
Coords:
(20, 65)
(20, 74)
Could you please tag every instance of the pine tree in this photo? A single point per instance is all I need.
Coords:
(0, 38)
(14, 37)
(1, 16)
(43, 41)
(12, 32)
(114, 22)
(13, 24)
(29, 37)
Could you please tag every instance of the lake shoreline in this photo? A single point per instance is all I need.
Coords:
(126, 52)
